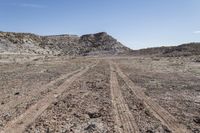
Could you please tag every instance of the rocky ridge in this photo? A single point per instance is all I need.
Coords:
(188, 49)
(90, 44)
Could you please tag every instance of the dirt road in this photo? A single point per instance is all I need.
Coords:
(160, 113)
(124, 120)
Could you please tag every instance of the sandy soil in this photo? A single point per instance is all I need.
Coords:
(100, 95)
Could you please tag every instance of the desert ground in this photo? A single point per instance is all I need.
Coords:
(129, 94)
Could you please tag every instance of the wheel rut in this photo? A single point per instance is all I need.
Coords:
(19, 124)
(124, 120)
(160, 113)
(35, 92)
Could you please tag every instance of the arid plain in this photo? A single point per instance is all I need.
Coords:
(128, 94)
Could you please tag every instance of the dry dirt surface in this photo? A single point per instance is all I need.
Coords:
(40, 94)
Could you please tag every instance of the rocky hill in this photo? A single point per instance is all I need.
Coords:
(91, 44)
(173, 51)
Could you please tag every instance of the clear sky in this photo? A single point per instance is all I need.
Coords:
(135, 23)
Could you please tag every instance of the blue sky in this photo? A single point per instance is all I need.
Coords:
(135, 23)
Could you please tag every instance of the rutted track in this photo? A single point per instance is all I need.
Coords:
(19, 124)
(42, 79)
(85, 107)
(124, 120)
(35, 92)
(160, 113)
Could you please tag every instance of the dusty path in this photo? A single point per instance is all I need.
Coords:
(160, 113)
(124, 120)
(19, 124)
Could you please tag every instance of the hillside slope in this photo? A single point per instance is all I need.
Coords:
(173, 51)
(91, 44)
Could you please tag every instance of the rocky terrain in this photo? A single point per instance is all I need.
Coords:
(73, 45)
(132, 94)
(188, 49)
(83, 89)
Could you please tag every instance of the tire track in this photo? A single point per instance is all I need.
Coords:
(160, 113)
(35, 92)
(124, 120)
(20, 123)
